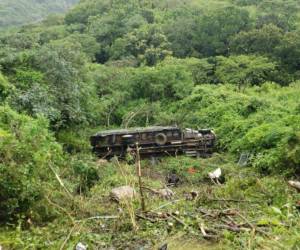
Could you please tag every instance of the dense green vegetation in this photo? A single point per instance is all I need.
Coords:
(231, 65)
(20, 12)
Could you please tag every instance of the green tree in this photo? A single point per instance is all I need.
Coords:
(163, 82)
(214, 29)
(179, 31)
(244, 70)
(289, 51)
(65, 70)
(262, 41)
(147, 44)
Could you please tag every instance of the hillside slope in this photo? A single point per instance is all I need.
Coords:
(19, 12)
(229, 65)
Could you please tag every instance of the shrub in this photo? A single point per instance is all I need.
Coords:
(27, 151)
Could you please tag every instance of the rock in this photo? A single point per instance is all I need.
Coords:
(122, 193)
(165, 193)
(80, 246)
(102, 162)
(295, 184)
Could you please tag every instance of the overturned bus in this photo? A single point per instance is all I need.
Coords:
(153, 141)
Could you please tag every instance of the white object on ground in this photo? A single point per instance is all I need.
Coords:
(80, 246)
(215, 174)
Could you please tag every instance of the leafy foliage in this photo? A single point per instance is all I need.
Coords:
(5, 88)
(262, 121)
(28, 151)
(244, 70)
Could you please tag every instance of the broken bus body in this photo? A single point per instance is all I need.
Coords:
(153, 141)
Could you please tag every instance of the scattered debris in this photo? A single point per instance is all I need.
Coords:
(233, 228)
(176, 212)
(193, 195)
(104, 217)
(81, 246)
(215, 175)
(172, 215)
(205, 234)
(170, 224)
(295, 184)
(148, 218)
(234, 200)
(172, 179)
(154, 161)
(217, 213)
(122, 193)
(244, 158)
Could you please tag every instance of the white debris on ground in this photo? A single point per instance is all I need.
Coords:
(215, 175)
(81, 246)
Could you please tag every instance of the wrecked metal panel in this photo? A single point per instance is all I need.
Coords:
(153, 141)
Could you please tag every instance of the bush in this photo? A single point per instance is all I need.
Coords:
(263, 121)
(86, 174)
(27, 151)
(5, 88)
